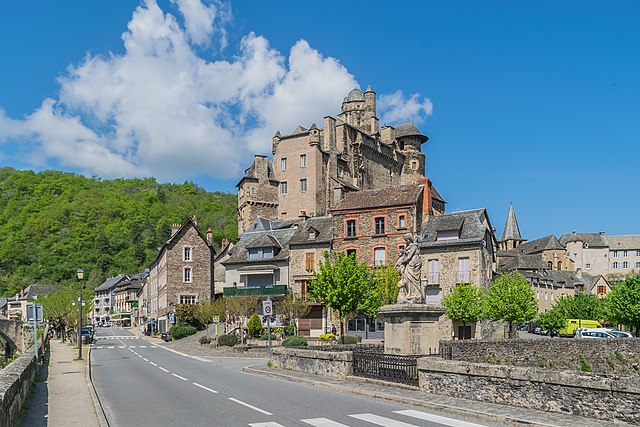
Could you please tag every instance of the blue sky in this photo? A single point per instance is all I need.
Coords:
(534, 103)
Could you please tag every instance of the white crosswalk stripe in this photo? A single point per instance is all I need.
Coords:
(437, 419)
(323, 422)
(381, 421)
(270, 424)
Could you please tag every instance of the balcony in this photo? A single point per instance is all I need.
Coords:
(255, 291)
(463, 276)
(433, 278)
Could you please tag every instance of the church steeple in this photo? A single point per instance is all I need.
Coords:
(511, 237)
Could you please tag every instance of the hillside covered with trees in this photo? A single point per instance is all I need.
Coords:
(53, 222)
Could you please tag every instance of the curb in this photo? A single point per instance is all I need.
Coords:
(100, 414)
(436, 407)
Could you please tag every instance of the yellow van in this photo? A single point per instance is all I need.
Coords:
(572, 324)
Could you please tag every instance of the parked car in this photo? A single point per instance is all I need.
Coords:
(537, 330)
(621, 334)
(596, 333)
(86, 335)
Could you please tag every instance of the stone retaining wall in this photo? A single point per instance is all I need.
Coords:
(568, 392)
(612, 356)
(15, 380)
(336, 364)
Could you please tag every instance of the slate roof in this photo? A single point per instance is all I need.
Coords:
(436, 195)
(250, 172)
(594, 240)
(37, 290)
(511, 229)
(391, 196)
(549, 242)
(470, 223)
(239, 254)
(515, 261)
(264, 241)
(409, 129)
(110, 283)
(630, 241)
(354, 95)
(322, 227)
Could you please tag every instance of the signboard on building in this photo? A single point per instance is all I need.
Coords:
(172, 317)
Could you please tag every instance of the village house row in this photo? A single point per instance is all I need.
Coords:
(355, 188)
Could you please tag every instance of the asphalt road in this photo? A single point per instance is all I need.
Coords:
(140, 384)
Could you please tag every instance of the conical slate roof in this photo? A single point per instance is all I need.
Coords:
(511, 229)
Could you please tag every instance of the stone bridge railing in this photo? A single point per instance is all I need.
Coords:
(12, 332)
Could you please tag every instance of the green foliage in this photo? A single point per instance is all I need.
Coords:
(204, 340)
(53, 222)
(242, 306)
(228, 339)
(203, 312)
(584, 365)
(180, 331)
(185, 314)
(345, 286)
(348, 339)
(622, 304)
(585, 306)
(511, 300)
(295, 341)
(254, 326)
(61, 305)
(553, 320)
(291, 329)
(465, 303)
(293, 309)
(387, 278)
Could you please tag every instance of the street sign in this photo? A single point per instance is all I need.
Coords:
(38, 315)
(134, 303)
(267, 309)
(172, 317)
(216, 319)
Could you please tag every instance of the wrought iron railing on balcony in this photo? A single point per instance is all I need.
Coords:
(433, 278)
(463, 276)
(255, 291)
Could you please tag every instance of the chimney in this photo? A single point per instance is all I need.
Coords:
(427, 205)
(195, 221)
(174, 229)
(387, 134)
(209, 235)
(224, 244)
(601, 233)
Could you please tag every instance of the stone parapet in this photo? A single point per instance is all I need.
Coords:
(576, 393)
(335, 364)
(15, 380)
(411, 329)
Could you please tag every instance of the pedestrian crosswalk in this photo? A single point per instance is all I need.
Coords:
(100, 347)
(116, 337)
(404, 418)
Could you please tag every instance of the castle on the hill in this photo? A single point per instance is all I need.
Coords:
(312, 169)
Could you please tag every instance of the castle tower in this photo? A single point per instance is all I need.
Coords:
(409, 140)
(511, 237)
(257, 193)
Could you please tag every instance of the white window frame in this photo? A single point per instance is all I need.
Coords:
(283, 164)
(188, 299)
(303, 160)
(283, 187)
(187, 275)
(303, 185)
(187, 253)
(433, 274)
(402, 221)
(379, 256)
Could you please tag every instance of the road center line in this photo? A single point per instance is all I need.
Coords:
(204, 388)
(145, 359)
(262, 411)
(178, 376)
(153, 364)
(160, 367)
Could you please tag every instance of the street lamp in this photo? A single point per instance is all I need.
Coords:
(80, 275)
(578, 292)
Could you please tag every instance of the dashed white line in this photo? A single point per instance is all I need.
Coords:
(132, 346)
(204, 388)
(145, 359)
(178, 376)
(100, 347)
(153, 364)
(143, 346)
(153, 346)
(262, 411)
(120, 346)
(110, 346)
(160, 367)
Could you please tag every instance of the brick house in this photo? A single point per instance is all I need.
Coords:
(182, 273)
(459, 247)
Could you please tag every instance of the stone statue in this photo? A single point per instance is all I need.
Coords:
(409, 265)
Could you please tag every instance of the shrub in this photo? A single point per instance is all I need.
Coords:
(295, 341)
(184, 314)
(291, 329)
(351, 340)
(204, 340)
(584, 365)
(254, 326)
(228, 339)
(327, 337)
(180, 331)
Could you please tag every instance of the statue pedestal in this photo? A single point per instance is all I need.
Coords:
(411, 328)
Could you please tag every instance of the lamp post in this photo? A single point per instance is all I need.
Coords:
(578, 293)
(80, 275)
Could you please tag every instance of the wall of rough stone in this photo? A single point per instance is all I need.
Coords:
(614, 356)
(15, 380)
(335, 364)
(576, 393)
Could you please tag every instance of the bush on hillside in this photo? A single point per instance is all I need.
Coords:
(295, 341)
(228, 340)
(204, 340)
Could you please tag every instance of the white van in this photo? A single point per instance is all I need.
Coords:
(594, 333)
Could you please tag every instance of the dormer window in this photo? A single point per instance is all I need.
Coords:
(448, 235)
(312, 234)
(261, 253)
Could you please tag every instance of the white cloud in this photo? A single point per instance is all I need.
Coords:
(395, 108)
(160, 109)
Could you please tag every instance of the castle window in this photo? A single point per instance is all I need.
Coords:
(253, 191)
(559, 265)
(186, 253)
(187, 277)
(283, 164)
(615, 265)
(303, 160)
(638, 253)
(625, 264)
(588, 266)
(549, 265)
(303, 185)
(379, 256)
(187, 299)
(378, 226)
(401, 222)
(414, 165)
(351, 228)
(283, 187)
(637, 264)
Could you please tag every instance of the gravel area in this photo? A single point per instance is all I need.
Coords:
(191, 345)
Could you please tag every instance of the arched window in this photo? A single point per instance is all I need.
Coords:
(549, 265)
(559, 265)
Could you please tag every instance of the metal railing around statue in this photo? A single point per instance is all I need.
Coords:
(372, 362)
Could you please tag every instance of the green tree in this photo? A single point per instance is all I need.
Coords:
(387, 278)
(622, 304)
(465, 303)
(553, 320)
(203, 312)
(342, 284)
(293, 309)
(242, 307)
(581, 306)
(511, 299)
(254, 326)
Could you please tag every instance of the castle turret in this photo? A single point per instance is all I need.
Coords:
(257, 193)
(511, 237)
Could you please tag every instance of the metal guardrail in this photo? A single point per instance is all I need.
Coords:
(385, 367)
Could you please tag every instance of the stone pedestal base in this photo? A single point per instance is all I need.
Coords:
(411, 328)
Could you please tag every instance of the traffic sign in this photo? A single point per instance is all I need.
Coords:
(216, 319)
(267, 309)
(38, 312)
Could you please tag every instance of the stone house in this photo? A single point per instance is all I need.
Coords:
(219, 271)
(16, 306)
(459, 247)
(104, 299)
(307, 247)
(125, 296)
(589, 251)
(182, 273)
(624, 256)
(313, 168)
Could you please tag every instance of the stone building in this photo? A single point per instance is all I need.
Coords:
(624, 256)
(589, 251)
(313, 168)
(459, 247)
(219, 271)
(104, 300)
(125, 296)
(182, 273)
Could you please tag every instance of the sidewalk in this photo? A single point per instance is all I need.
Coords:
(65, 399)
